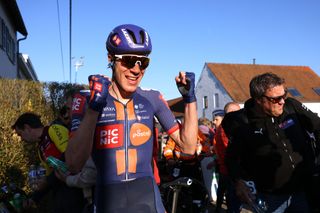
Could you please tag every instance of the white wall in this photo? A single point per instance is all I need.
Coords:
(208, 85)
(314, 107)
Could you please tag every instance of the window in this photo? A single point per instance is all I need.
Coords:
(205, 102)
(216, 100)
(7, 42)
(317, 90)
(294, 92)
(1, 33)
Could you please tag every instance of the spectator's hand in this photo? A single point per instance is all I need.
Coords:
(60, 175)
(185, 83)
(98, 85)
(243, 192)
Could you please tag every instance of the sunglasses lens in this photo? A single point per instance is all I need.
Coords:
(276, 100)
(145, 63)
(131, 61)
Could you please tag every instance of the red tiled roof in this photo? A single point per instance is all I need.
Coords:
(235, 79)
(177, 106)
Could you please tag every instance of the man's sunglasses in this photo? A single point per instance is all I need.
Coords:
(277, 99)
(130, 61)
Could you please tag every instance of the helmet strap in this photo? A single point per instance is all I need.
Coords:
(111, 65)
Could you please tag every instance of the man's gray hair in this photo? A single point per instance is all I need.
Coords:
(261, 83)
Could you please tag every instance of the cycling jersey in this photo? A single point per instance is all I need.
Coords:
(54, 140)
(123, 141)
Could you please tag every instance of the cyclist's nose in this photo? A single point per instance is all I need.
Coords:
(137, 68)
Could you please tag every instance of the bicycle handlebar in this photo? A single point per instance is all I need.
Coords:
(182, 181)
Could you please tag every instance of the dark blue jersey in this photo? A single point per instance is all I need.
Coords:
(123, 138)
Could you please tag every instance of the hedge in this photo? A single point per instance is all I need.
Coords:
(17, 97)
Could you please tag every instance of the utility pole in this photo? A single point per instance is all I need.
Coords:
(70, 38)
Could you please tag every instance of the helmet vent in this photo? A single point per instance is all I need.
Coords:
(134, 39)
(142, 36)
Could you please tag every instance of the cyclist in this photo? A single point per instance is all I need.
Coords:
(117, 126)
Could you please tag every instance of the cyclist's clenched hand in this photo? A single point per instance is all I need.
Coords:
(186, 84)
(98, 85)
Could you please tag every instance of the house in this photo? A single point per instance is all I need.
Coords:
(13, 64)
(176, 105)
(221, 83)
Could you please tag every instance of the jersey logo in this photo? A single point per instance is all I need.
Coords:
(78, 104)
(139, 134)
(59, 135)
(286, 124)
(109, 137)
(258, 131)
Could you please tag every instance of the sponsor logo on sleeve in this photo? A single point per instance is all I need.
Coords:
(78, 104)
(108, 137)
(97, 86)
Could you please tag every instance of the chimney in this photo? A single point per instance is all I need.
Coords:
(253, 61)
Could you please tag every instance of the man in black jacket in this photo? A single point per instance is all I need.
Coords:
(270, 146)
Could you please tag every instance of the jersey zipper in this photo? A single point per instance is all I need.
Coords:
(126, 144)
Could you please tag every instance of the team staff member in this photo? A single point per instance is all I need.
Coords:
(52, 141)
(269, 145)
(117, 127)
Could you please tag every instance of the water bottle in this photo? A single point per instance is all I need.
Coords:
(17, 202)
(259, 205)
(57, 164)
(33, 178)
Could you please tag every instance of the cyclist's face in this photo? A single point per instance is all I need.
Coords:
(128, 79)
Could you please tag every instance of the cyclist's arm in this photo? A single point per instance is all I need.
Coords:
(186, 136)
(80, 144)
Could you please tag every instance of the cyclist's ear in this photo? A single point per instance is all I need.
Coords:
(110, 58)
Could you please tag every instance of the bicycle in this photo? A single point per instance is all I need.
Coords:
(184, 194)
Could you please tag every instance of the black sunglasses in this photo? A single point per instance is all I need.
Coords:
(277, 99)
(130, 61)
